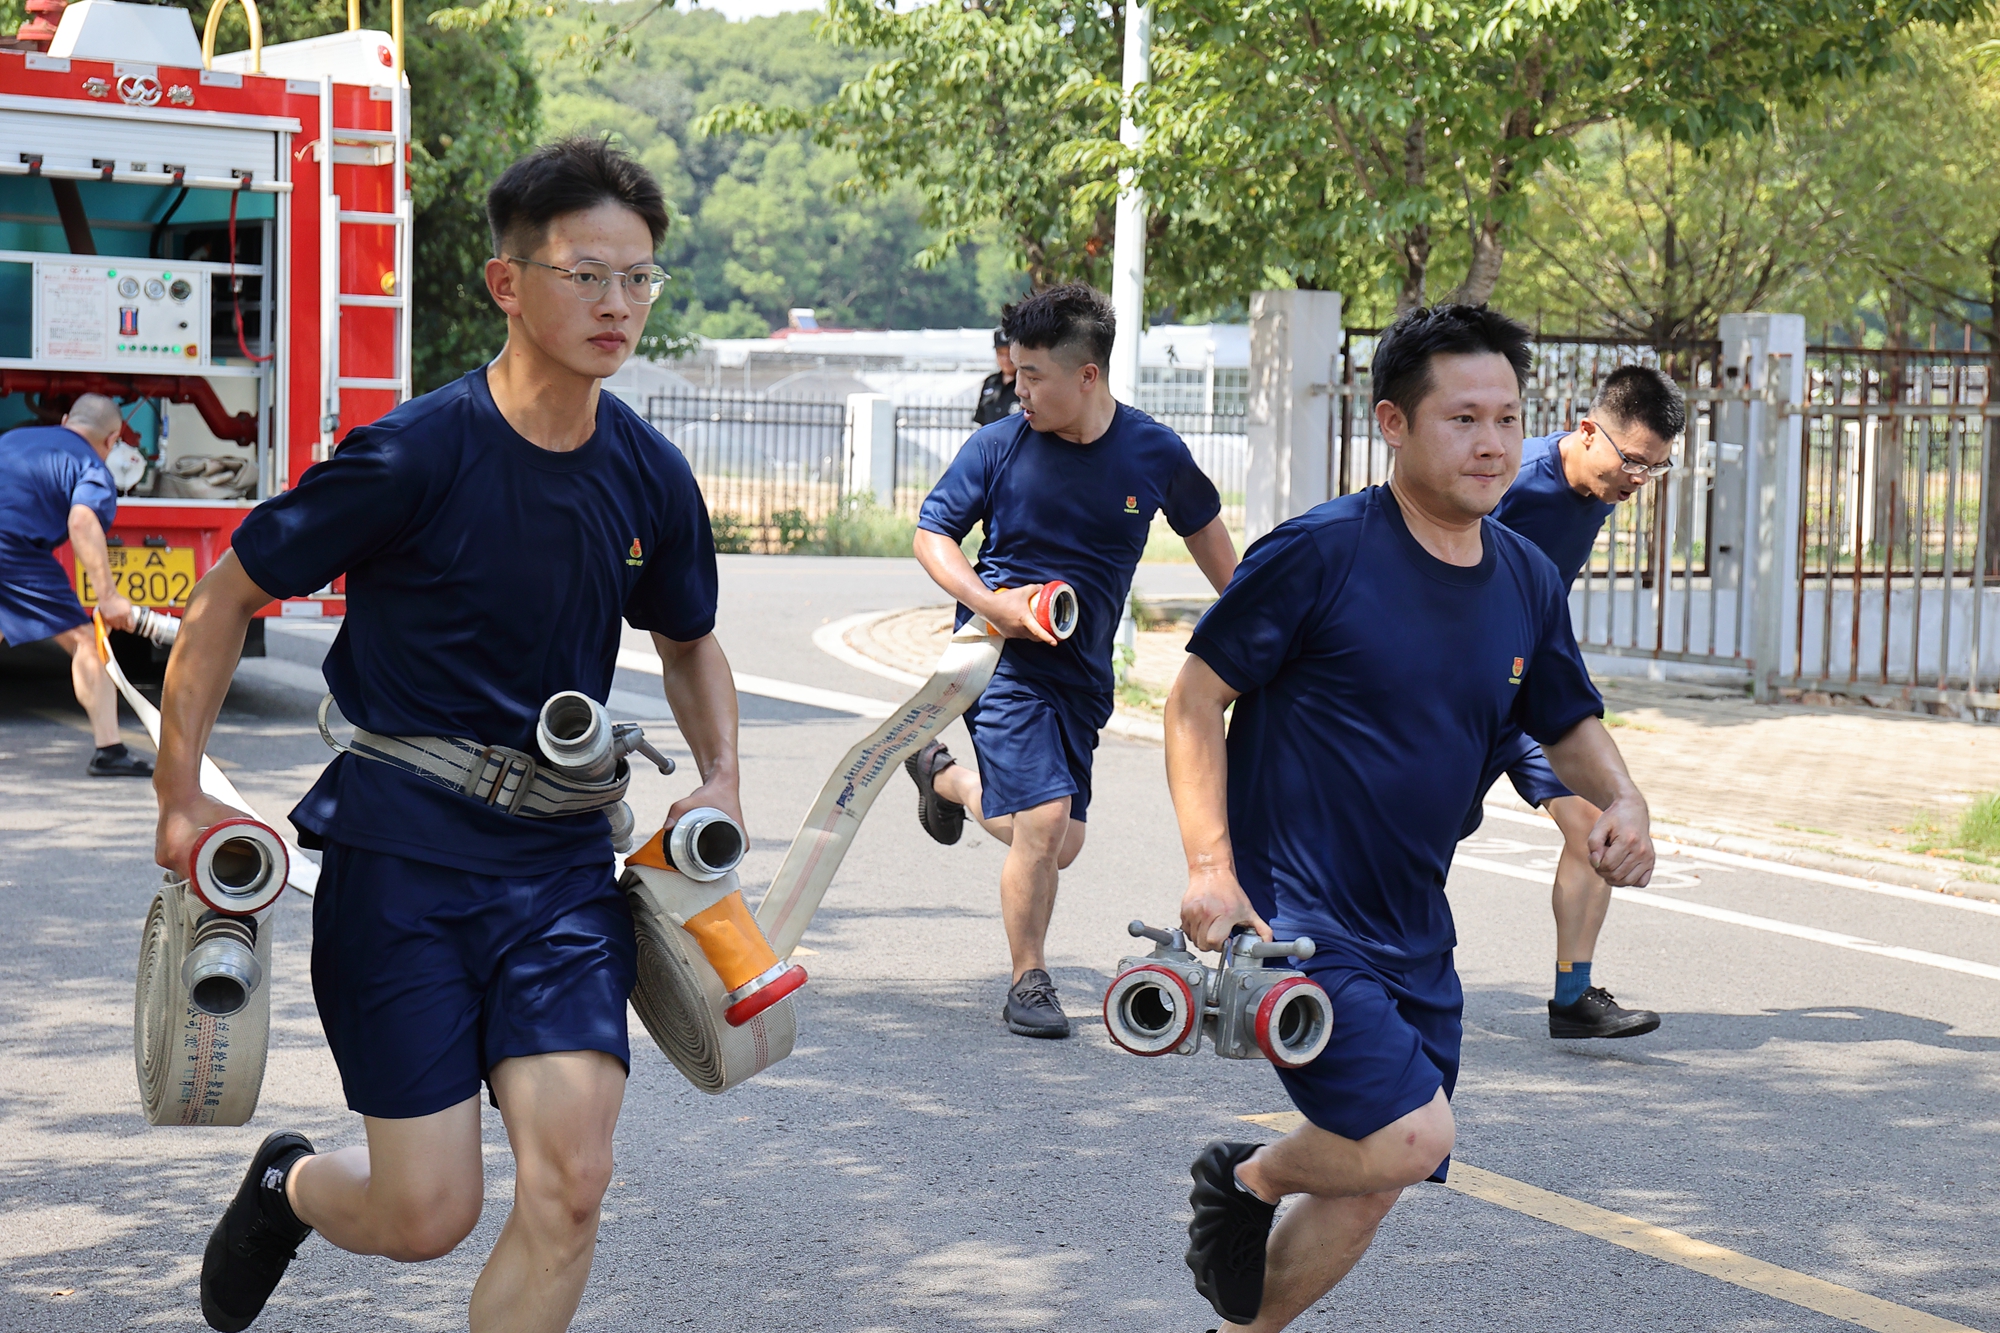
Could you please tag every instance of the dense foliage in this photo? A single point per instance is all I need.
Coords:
(770, 219)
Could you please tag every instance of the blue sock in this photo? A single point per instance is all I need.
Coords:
(1572, 980)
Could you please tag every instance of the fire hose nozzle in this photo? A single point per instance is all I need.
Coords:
(706, 844)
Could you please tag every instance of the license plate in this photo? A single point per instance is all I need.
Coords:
(147, 575)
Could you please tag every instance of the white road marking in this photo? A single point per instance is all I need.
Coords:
(1782, 869)
(632, 659)
(1764, 923)
(831, 639)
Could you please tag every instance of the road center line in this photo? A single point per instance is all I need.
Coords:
(1764, 923)
(1766, 1279)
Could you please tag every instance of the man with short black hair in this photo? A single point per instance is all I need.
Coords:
(1065, 489)
(493, 534)
(1569, 483)
(997, 398)
(1375, 650)
(55, 488)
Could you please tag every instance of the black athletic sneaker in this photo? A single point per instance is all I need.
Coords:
(943, 820)
(1032, 1009)
(115, 761)
(1227, 1237)
(257, 1237)
(1596, 1014)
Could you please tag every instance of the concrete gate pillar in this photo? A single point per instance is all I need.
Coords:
(1295, 341)
(871, 447)
(1756, 525)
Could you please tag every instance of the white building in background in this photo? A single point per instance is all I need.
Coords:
(1184, 368)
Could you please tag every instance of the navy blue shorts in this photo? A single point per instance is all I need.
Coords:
(1034, 746)
(427, 976)
(1396, 1038)
(36, 601)
(1520, 757)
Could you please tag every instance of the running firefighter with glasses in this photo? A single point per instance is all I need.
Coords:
(494, 533)
(1571, 482)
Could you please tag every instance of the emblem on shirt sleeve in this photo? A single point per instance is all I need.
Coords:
(1514, 679)
(1131, 504)
(635, 556)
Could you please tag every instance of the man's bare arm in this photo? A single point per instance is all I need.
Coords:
(1214, 553)
(1198, 780)
(198, 676)
(93, 557)
(1621, 842)
(701, 690)
(1010, 611)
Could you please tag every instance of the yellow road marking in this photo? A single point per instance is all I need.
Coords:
(1816, 1294)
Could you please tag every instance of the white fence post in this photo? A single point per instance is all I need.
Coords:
(871, 447)
(1294, 344)
(1767, 355)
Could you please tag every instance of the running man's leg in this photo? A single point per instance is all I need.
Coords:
(1580, 898)
(560, 1110)
(92, 684)
(413, 1193)
(1350, 1186)
(1040, 842)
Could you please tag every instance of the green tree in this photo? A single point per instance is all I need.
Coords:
(973, 104)
(769, 219)
(1325, 127)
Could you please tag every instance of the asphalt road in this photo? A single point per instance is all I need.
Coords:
(1807, 1103)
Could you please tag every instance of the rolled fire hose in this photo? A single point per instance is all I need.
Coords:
(710, 989)
(201, 1008)
(830, 825)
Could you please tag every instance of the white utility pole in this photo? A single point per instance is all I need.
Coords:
(1128, 240)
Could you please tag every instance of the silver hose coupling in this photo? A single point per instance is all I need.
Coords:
(1167, 1001)
(157, 626)
(221, 970)
(238, 866)
(706, 844)
(579, 737)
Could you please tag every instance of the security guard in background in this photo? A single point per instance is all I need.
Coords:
(996, 395)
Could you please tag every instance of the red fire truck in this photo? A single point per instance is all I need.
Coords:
(219, 242)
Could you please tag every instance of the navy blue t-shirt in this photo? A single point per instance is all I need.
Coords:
(484, 574)
(1542, 506)
(1375, 680)
(1077, 512)
(43, 471)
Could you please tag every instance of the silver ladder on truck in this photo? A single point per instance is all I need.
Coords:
(361, 147)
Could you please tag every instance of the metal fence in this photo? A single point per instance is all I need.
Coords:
(771, 469)
(774, 470)
(1898, 561)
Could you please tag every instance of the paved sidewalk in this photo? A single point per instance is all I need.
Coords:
(1845, 787)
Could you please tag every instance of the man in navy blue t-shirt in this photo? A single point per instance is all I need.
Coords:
(1375, 649)
(1065, 489)
(493, 534)
(1569, 483)
(55, 488)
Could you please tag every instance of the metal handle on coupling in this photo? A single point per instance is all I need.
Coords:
(1301, 948)
(1172, 939)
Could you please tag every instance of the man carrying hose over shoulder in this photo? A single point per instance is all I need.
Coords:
(1065, 489)
(493, 534)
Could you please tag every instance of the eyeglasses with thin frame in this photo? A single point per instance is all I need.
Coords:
(1632, 467)
(592, 279)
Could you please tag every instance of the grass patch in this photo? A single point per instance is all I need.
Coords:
(1975, 838)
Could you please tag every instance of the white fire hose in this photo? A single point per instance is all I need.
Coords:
(829, 828)
(201, 1011)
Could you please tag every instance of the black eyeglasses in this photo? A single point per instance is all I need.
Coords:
(1632, 467)
(592, 279)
